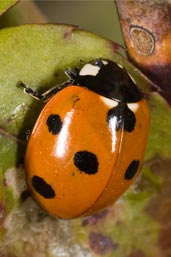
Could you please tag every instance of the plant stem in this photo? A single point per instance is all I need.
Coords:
(146, 27)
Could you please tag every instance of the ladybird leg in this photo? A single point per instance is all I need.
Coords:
(52, 91)
(72, 74)
(29, 91)
(44, 96)
(28, 134)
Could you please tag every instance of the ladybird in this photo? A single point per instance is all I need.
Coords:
(88, 143)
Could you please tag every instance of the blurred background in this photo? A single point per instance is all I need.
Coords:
(96, 16)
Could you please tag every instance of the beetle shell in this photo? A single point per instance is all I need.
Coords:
(84, 151)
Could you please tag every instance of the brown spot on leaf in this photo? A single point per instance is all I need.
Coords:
(4, 254)
(68, 33)
(165, 238)
(137, 253)
(2, 213)
(159, 207)
(101, 244)
(96, 218)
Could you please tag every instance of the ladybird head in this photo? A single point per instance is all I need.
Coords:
(108, 79)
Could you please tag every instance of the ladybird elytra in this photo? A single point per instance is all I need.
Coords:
(88, 143)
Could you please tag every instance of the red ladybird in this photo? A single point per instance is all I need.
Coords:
(88, 143)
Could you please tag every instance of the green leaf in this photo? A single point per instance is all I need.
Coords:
(159, 143)
(5, 5)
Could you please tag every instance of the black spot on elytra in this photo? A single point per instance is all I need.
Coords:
(132, 169)
(41, 187)
(54, 123)
(86, 161)
(121, 116)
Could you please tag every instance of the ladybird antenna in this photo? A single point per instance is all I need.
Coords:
(71, 74)
(42, 96)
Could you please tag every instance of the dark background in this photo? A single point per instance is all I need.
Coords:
(96, 16)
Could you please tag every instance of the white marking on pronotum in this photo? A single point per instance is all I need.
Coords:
(109, 102)
(104, 62)
(89, 69)
(133, 106)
